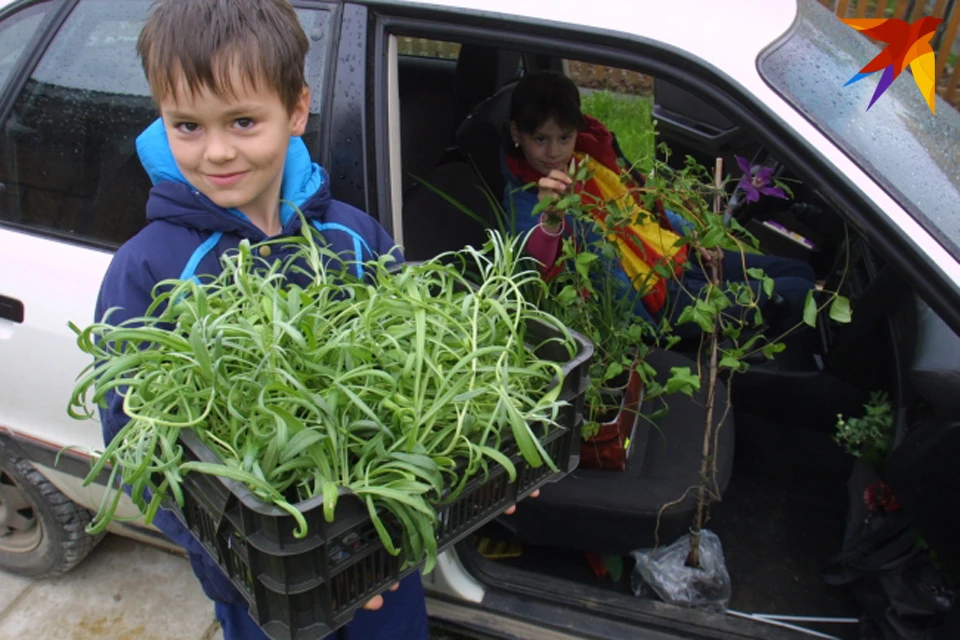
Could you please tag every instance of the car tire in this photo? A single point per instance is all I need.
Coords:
(42, 531)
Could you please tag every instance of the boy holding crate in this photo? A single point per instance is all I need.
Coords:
(228, 79)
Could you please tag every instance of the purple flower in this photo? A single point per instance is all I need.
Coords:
(757, 184)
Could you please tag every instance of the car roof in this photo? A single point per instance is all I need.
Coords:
(729, 34)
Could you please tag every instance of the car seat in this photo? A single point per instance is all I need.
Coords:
(480, 136)
(481, 70)
(618, 512)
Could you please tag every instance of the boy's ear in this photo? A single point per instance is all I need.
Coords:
(300, 113)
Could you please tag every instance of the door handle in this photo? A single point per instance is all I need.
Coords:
(11, 309)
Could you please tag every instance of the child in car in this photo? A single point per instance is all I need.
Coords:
(546, 130)
(228, 79)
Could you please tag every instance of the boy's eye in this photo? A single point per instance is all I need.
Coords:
(244, 123)
(187, 127)
(540, 139)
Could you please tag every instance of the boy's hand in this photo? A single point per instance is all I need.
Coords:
(513, 508)
(376, 602)
(552, 186)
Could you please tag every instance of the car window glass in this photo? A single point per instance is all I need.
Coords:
(427, 48)
(67, 157)
(68, 161)
(15, 32)
(916, 159)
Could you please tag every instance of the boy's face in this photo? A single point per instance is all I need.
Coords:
(232, 149)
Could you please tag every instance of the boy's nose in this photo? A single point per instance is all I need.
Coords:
(219, 149)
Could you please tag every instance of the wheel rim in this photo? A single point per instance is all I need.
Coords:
(20, 530)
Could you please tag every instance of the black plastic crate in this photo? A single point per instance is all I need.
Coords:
(302, 589)
(486, 497)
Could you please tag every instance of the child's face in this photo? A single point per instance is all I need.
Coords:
(549, 147)
(232, 149)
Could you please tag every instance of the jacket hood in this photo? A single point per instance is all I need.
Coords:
(596, 141)
(177, 201)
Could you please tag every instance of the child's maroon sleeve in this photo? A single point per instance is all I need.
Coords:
(545, 248)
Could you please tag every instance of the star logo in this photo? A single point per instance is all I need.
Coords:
(907, 44)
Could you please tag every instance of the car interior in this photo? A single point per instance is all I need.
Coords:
(785, 505)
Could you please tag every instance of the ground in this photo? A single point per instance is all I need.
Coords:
(118, 593)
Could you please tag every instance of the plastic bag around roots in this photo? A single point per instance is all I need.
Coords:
(663, 571)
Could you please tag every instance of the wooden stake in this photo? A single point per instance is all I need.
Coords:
(707, 454)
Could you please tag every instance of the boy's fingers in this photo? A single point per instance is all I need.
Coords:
(560, 176)
(512, 509)
(375, 602)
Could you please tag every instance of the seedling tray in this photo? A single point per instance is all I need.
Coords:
(303, 589)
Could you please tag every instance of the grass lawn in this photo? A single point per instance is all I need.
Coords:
(629, 117)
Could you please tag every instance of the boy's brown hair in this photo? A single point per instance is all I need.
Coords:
(200, 42)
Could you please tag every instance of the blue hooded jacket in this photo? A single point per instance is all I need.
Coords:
(185, 237)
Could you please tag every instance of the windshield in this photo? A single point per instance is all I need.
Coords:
(912, 153)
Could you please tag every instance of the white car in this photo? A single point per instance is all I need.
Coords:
(403, 89)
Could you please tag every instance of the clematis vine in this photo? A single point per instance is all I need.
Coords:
(757, 184)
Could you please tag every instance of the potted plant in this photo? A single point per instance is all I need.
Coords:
(600, 303)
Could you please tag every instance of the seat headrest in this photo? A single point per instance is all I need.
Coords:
(481, 70)
(487, 121)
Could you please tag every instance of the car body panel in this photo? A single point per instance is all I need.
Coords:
(57, 283)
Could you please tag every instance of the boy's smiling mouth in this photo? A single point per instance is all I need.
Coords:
(225, 179)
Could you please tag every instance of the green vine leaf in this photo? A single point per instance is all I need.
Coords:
(772, 349)
(718, 299)
(584, 260)
(713, 237)
(567, 295)
(541, 206)
(810, 310)
(730, 362)
(662, 270)
(697, 315)
(758, 274)
(613, 370)
(840, 309)
(732, 331)
(682, 380)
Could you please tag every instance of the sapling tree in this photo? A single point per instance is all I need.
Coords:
(729, 310)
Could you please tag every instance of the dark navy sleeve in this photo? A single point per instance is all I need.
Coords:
(126, 293)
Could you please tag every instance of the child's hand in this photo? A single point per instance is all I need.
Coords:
(513, 508)
(708, 254)
(376, 602)
(552, 186)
